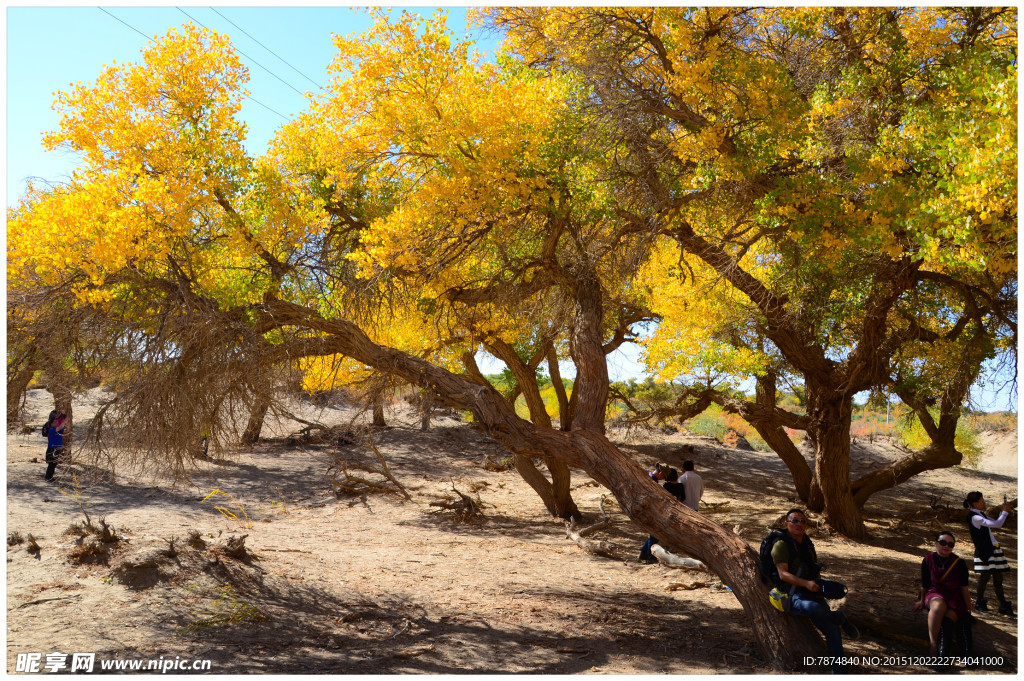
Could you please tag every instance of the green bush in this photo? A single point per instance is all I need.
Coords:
(912, 435)
(710, 422)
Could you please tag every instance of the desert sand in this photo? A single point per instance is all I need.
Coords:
(373, 583)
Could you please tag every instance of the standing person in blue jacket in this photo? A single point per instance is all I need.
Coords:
(988, 555)
(55, 442)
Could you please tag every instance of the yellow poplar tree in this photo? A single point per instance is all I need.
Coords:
(836, 167)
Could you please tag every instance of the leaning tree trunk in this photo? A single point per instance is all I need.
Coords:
(251, 435)
(776, 438)
(784, 640)
(941, 453)
(536, 480)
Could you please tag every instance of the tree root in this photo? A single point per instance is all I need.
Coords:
(601, 548)
(465, 507)
(673, 561)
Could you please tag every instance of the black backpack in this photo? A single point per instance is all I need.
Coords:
(769, 573)
(49, 422)
(676, 489)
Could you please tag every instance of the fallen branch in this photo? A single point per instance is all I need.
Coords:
(385, 470)
(53, 598)
(683, 586)
(673, 561)
(601, 548)
(599, 525)
(347, 483)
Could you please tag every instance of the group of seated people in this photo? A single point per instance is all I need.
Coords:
(945, 579)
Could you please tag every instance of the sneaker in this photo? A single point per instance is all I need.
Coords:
(850, 630)
(1006, 608)
(981, 606)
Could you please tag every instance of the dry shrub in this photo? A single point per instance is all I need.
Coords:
(345, 473)
(462, 507)
(234, 547)
(33, 545)
(195, 540)
(89, 551)
(95, 541)
(103, 531)
(75, 530)
(15, 538)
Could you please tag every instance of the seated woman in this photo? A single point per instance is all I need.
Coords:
(944, 592)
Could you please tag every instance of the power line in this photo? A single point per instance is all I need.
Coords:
(298, 92)
(186, 14)
(265, 47)
(125, 23)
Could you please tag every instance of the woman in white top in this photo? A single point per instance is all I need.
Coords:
(988, 555)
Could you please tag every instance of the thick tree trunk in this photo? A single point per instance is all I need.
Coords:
(830, 424)
(17, 385)
(535, 479)
(251, 434)
(561, 478)
(378, 410)
(785, 640)
(816, 500)
(426, 406)
(588, 350)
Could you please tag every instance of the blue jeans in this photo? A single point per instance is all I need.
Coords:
(828, 622)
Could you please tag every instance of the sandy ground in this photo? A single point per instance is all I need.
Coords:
(374, 583)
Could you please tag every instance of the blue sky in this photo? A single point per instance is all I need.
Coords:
(49, 48)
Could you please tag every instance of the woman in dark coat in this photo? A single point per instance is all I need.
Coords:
(944, 592)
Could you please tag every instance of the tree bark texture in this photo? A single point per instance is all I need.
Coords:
(378, 410)
(251, 434)
(564, 415)
(17, 385)
(830, 422)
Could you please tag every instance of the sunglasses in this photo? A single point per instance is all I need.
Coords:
(943, 542)
(797, 522)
